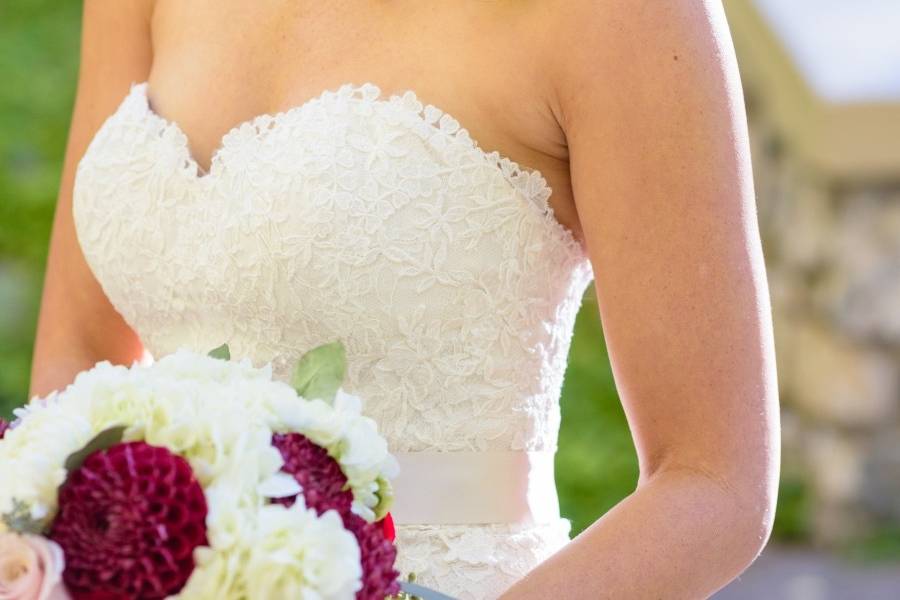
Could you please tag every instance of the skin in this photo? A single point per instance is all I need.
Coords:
(638, 123)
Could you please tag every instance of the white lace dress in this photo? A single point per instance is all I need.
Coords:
(379, 221)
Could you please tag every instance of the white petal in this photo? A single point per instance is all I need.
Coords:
(280, 485)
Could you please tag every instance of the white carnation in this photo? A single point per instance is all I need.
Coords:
(33, 453)
(298, 554)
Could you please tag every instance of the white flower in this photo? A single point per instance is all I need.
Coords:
(216, 576)
(279, 485)
(297, 554)
(32, 456)
(316, 419)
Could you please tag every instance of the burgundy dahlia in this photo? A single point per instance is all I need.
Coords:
(324, 487)
(3, 427)
(129, 520)
(320, 476)
(378, 555)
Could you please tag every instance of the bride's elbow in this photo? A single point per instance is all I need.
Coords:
(738, 510)
(762, 520)
(757, 526)
(752, 505)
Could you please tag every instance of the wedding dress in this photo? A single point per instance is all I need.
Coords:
(377, 221)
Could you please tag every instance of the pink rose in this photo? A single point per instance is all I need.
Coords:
(30, 568)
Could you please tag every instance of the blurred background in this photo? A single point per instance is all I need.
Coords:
(822, 88)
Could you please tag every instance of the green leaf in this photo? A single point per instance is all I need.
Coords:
(320, 371)
(20, 519)
(221, 352)
(101, 441)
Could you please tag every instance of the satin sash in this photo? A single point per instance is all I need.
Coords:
(447, 488)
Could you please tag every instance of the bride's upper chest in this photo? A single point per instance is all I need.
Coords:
(479, 61)
(218, 65)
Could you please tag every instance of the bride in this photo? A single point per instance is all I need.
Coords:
(436, 184)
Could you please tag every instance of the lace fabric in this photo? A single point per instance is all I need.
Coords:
(378, 221)
(472, 562)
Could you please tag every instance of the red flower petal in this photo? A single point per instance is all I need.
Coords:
(3, 427)
(387, 525)
(129, 520)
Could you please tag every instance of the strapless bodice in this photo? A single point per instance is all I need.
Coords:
(374, 220)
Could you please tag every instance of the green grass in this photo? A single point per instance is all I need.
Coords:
(880, 546)
(39, 43)
(596, 464)
(792, 516)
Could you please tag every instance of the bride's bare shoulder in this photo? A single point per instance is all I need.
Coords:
(129, 12)
(108, 25)
(604, 48)
(116, 48)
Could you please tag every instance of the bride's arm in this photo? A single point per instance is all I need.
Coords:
(653, 112)
(77, 325)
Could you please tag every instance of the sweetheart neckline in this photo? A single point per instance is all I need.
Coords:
(439, 120)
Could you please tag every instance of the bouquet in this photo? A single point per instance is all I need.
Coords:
(197, 477)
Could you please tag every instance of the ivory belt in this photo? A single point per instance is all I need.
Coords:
(445, 488)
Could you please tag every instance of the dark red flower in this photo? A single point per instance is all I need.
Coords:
(324, 488)
(129, 520)
(3, 427)
(378, 555)
(324, 484)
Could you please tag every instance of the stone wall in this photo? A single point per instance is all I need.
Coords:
(832, 250)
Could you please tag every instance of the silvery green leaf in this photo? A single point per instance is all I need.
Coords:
(103, 440)
(320, 371)
(221, 352)
(21, 520)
